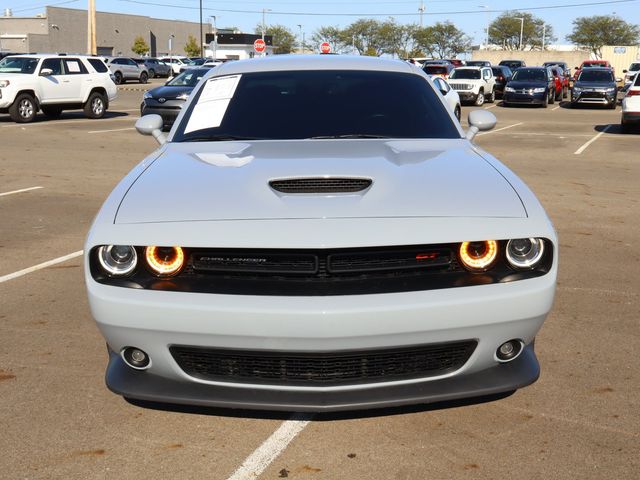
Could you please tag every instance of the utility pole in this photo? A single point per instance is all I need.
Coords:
(521, 29)
(421, 9)
(215, 38)
(264, 10)
(544, 33)
(201, 39)
(91, 28)
(301, 40)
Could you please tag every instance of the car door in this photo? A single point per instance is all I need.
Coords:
(55, 88)
(77, 79)
(487, 76)
(133, 69)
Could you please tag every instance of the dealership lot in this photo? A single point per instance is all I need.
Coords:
(578, 421)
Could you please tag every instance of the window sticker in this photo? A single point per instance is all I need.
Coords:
(213, 103)
(73, 66)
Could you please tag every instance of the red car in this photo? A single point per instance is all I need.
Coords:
(592, 63)
(562, 82)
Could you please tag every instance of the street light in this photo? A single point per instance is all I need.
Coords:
(521, 29)
(215, 38)
(171, 37)
(301, 40)
(264, 10)
(486, 41)
(201, 40)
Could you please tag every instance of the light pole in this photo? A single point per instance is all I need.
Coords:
(301, 39)
(171, 37)
(215, 38)
(521, 29)
(544, 34)
(486, 41)
(264, 10)
(201, 39)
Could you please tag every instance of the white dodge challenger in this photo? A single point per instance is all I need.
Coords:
(318, 233)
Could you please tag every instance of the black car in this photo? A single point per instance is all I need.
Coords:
(530, 86)
(503, 75)
(513, 64)
(167, 101)
(595, 86)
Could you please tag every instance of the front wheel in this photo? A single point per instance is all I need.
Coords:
(552, 97)
(545, 102)
(23, 109)
(480, 98)
(144, 77)
(565, 92)
(152, 73)
(492, 97)
(96, 106)
(117, 78)
(458, 112)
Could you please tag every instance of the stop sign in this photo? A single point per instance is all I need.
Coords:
(325, 47)
(259, 45)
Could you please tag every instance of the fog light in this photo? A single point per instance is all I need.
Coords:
(509, 350)
(136, 358)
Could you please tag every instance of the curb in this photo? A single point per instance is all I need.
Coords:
(134, 89)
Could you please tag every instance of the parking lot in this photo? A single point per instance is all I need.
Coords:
(579, 421)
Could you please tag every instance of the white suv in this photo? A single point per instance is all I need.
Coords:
(474, 84)
(53, 83)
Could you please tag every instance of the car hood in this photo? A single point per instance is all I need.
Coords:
(230, 181)
(526, 84)
(595, 84)
(9, 76)
(168, 91)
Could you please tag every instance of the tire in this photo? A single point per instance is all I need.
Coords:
(545, 102)
(480, 98)
(23, 109)
(458, 112)
(552, 97)
(52, 112)
(95, 106)
(492, 97)
(612, 105)
(152, 73)
(144, 77)
(565, 92)
(118, 78)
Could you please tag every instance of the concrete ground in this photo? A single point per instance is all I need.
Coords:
(579, 421)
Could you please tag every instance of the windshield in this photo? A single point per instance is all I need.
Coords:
(435, 70)
(634, 67)
(316, 104)
(188, 78)
(465, 74)
(591, 65)
(596, 76)
(530, 75)
(18, 65)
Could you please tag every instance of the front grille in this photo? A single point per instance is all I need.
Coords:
(321, 185)
(322, 368)
(461, 86)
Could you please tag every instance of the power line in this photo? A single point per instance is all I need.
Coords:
(44, 5)
(458, 12)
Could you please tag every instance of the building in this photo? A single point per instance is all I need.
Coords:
(65, 30)
(235, 46)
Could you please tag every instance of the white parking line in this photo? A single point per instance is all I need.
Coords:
(586, 145)
(40, 266)
(112, 130)
(554, 109)
(265, 454)
(492, 106)
(20, 191)
(499, 129)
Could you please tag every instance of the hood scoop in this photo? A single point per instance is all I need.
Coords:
(320, 185)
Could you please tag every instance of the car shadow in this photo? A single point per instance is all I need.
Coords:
(66, 115)
(616, 129)
(318, 417)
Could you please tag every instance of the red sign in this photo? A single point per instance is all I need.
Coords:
(259, 45)
(325, 47)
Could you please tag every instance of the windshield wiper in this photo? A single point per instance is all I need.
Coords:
(350, 135)
(221, 137)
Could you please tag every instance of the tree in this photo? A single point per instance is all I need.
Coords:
(364, 35)
(443, 40)
(397, 40)
(283, 39)
(595, 32)
(505, 31)
(333, 35)
(140, 47)
(192, 49)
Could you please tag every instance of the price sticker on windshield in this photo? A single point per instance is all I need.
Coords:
(212, 103)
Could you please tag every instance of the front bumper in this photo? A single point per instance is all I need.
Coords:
(524, 98)
(594, 98)
(467, 95)
(153, 321)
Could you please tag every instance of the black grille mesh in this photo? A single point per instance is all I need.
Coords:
(321, 185)
(322, 368)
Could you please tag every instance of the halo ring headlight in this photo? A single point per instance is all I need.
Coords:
(164, 261)
(478, 256)
(117, 260)
(525, 253)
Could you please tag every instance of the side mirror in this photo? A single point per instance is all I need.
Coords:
(46, 72)
(479, 121)
(443, 91)
(152, 125)
(618, 79)
(625, 71)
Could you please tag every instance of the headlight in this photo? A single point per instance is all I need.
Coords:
(478, 255)
(117, 260)
(539, 90)
(4, 83)
(524, 253)
(509, 89)
(611, 89)
(147, 95)
(183, 96)
(577, 89)
(164, 261)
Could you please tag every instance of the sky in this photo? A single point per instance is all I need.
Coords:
(471, 16)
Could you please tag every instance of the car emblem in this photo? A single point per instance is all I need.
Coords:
(162, 100)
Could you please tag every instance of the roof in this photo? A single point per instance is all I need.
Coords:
(314, 62)
(49, 55)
